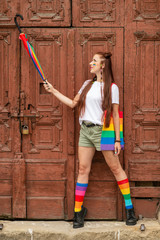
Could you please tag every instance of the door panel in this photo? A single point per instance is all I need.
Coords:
(102, 192)
(8, 10)
(36, 12)
(98, 13)
(46, 12)
(142, 13)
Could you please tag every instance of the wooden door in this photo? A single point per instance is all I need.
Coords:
(10, 142)
(49, 147)
(102, 193)
(102, 23)
(37, 169)
(142, 111)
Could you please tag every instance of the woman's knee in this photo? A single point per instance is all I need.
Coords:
(84, 170)
(116, 169)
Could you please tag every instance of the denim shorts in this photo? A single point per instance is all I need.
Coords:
(90, 136)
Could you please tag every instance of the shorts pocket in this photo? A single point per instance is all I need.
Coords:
(97, 129)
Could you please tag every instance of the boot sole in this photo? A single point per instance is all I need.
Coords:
(80, 226)
(131, 224)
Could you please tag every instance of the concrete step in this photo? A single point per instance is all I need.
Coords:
(93, 230)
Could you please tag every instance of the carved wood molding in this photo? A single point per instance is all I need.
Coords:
(5, 122)
(6, 9)
(142, 11)
(6, 36)
(143, 36)
(57, 37)
(106, 14)
(5, 133)
(46, 9)
(140, 145)
(37, 144)
(97, 36)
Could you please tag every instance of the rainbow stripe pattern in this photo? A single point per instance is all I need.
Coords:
(32, 54)
(79, 195)
(108, 134)
(125, 190)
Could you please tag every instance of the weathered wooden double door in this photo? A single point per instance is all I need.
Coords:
(38, 170)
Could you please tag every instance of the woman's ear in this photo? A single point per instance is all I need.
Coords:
(102, 65)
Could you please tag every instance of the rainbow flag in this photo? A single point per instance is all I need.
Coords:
(108, 134)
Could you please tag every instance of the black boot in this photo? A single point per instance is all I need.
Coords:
(130, 215)
(78, 220)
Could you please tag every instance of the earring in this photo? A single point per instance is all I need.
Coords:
(101, 73)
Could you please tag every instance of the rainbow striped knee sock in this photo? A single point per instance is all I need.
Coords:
(79, 195)
(125, 190)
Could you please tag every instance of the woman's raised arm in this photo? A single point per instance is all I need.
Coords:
(69, 102)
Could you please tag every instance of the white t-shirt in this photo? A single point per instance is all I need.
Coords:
(93, 105)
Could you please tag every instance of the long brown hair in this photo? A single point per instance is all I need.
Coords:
(108, 80)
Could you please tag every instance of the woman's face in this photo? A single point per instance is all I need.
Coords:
(95, 65)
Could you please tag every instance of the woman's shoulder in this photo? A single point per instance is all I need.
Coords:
(114, 86)
(86, 82)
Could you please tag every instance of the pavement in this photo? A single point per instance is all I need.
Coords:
(92, 230)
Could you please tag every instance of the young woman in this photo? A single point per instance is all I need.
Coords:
(95, 96)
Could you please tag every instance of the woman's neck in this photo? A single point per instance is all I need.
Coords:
(99, 80)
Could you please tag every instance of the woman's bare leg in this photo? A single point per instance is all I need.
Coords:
(114, 164)
(85, 155)
(122, 180)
